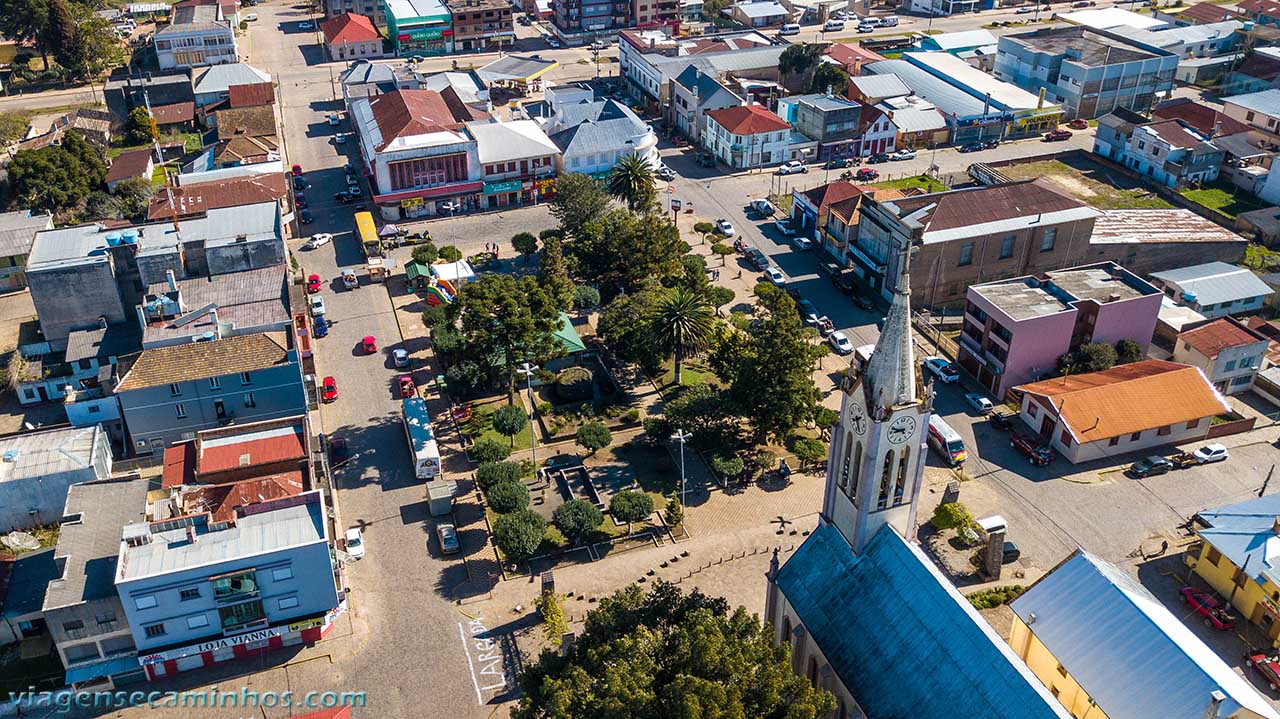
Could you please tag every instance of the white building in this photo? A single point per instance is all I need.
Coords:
(518, 162)
(36, 468)
(1229, 353)
(592, 135)
(1214, 289)
(197, 35)
(746, 136)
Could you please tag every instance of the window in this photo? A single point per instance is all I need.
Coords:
(288, 603)
(245, 379)
(1065, 437)
(281, 574)
(1047, 239)
(1006, 247)
(1062, 670)
(1113, 441)
(966, 254)
(1032, 410)
(175, 389)
(240, 616)
(215, 383)
(1135, 436)
(1241, 381)
(1248, 116)
(94, 409)
(187, 595)
(1212, 556)
(249, 401)
(197, 621)
(1164, 431)
(181, 411)
(154, 630)
(146, 602)
(235, 587)
(106, 617)
(73, 625)
(1229, 366)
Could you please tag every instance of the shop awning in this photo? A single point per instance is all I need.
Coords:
(105, 668)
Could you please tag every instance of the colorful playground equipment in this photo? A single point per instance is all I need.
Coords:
(440, 292)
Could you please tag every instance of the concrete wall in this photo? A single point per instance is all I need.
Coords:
(1143, 258)
(311, 583)
(152, 267)
(74, 297)
(98, 639)
(151, 415)
(1045, 666)
(47, 494)
(1133, 319)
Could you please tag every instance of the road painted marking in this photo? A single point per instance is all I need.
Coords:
(462, 635)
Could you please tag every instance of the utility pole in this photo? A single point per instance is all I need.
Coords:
(681, 436)
(527, 370)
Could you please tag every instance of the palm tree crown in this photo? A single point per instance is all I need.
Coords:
(632, 181)
(683, 324)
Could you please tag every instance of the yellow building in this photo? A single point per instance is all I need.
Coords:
(1108, 649)
(1239, 556)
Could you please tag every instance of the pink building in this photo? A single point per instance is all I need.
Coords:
(1016, 329)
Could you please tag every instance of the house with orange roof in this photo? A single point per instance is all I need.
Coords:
(746, 136)
(1226, 350)
(1124, 409)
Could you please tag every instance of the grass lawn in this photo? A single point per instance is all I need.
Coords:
(481, 424)
(928, 184)
(192, 141)
(1257, 257)
(1092, 186)
(157, 176)
(692, 372)
(1223, 200)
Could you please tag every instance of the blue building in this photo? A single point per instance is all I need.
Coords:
(199, 592)
(167, 394)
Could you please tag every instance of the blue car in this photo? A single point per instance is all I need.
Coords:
(321, 327)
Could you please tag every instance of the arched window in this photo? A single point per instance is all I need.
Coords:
(886, 474)
(842, 711)
(902, 476)
(813, 670)
(855, 473)
(847, 456)
(786, 629)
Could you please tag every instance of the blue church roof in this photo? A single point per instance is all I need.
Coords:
(901, 638)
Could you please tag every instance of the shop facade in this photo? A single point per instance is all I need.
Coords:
(419, 27)
(518, 193)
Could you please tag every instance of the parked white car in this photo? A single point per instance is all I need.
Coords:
(942, 369)
(355, 543)
(840, 343)
(1210, 453)
(725, 227)
(334, 119)
(903, 154)
(775, 275)
(763, 207)
(318, 239)
(980, 403)
(785, 228)
(803, 244)
(448, 537)
(400, 357)
(795, 167)
(316, 303)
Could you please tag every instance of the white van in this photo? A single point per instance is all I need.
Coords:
(833, 26)
(869, 22)
(889, 21)
(790, 29)
(946, 441)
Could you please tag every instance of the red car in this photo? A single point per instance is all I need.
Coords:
(370, 345)
(407, 387)
(1031, 448)
(1056, 135)
(329, 389)
(865, 174)
(313, 284)
(1267, 666)
(296, 170)
(1078, 124)
(1207, 606)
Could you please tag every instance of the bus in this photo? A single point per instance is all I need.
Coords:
(946, 441)
(367, 233)
(422, 440)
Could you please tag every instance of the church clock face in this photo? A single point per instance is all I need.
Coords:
(857, 419)
(901, 429)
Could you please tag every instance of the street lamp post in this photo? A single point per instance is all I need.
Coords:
(527, 370)
(681, 436)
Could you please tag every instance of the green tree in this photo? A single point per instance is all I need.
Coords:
(553, 275)
(622, 251)
(825, 417)
(798, 61)
(670, 654)
(554, 625)
(550, 232)
(434, 316)
(633, 182)
(505, 322)
(576, 519)
(808, 451)
(62, 33)
(580, 200)
(56, 178)
(625, 325)
(449, 253)
(489, 449)
(95, 45)
(509, 421)
(1128, 351)
(728, 467)
(425, 253)
(682, 325)
(828, 76)
(508, 496)
(1089, 357)
(951, 515)
(719, 296)
(674, 513)
(492, 473)
(631, 506)
(705, 411)
(525, 243)
(593, 436)
(723, 250)
(519, 533)
(133, 197)
(463, 377)
(695, 276)
(27, 21)
(585, 298)
(704, 229)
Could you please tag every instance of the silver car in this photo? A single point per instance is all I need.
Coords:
(448, 537)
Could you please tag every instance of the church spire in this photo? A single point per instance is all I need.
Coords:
(890, 375)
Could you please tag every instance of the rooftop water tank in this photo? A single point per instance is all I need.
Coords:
(130, 237)
(1189, 297)
(113, 239)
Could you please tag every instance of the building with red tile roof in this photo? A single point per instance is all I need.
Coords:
(198, 198)
(238, 453)
(252, 94)
(1261, 10)
(1203, 118)
(129, 165)
(852, 57)
(1226, 350)
(222, 500)
(1206, 13)
(350, 36)
(169, 116)
(747, 136)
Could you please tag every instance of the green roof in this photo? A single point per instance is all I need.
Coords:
(568, 337)
(414, 269)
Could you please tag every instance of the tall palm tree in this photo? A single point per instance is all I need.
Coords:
(632, 181)
(683, 324)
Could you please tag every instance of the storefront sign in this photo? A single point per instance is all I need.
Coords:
(412, 202)
(425, 33)
(260, 635)
(494, 188)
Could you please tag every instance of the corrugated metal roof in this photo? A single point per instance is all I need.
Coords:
(1128, 652)
(1266, 102)
(914, 119)
(974, 81)
(251, 448)
(879, 86)
(1158, 226)
(514, 140)
(946, 97)
(92, 545)
(18, 230)
(1211, 338)
(218, 78)
(900, 636)
(1215, 282)
(48, 452)
(949, 41)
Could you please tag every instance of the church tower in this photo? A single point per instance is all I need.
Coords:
(876, 461)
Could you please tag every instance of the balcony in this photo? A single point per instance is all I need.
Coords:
(973, 345)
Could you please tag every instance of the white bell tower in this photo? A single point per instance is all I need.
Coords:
(876, 461)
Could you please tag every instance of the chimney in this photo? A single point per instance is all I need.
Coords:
(173, 281)
(828, 92)
(102, 322)
(1216, 698)
(213, 317)
(191, 533)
